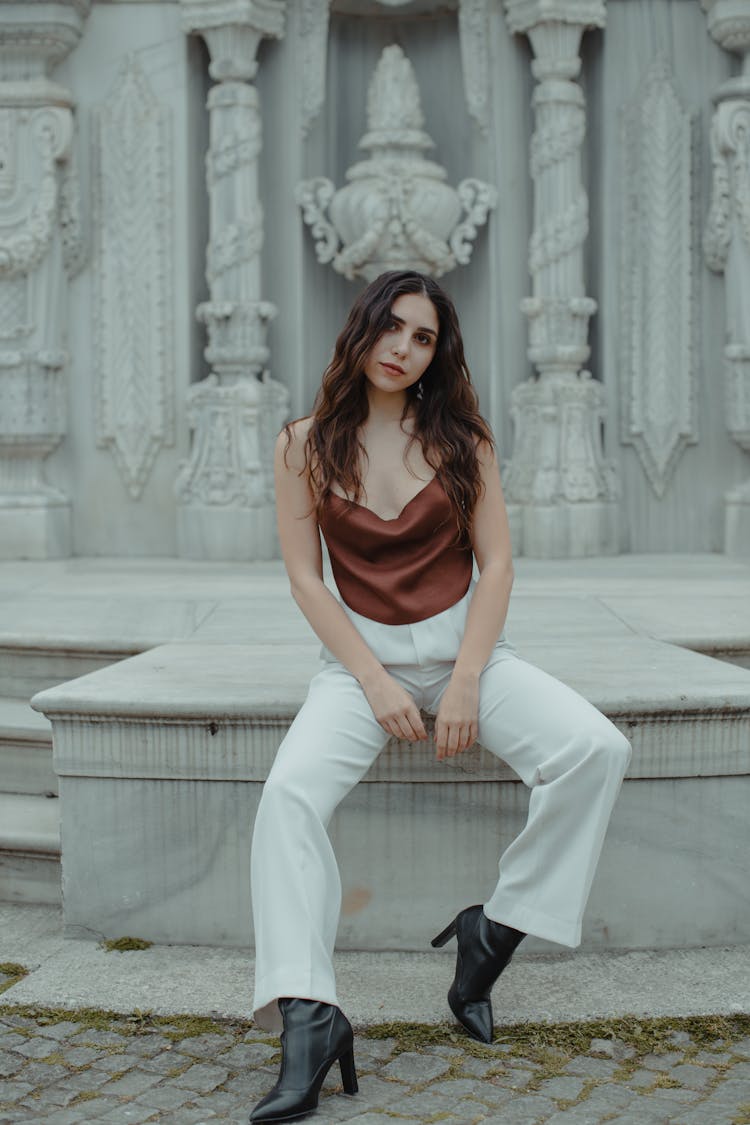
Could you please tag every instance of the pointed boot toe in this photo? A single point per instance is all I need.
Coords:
(474, 1015)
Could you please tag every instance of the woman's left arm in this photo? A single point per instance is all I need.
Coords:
(456, 722)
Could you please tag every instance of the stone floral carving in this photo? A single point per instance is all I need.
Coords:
(657, 377)
(560, 489)
(133, 314)
(397, 211)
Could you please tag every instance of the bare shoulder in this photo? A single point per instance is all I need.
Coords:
(291, 445)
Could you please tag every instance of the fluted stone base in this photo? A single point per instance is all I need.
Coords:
(227, 534)
(564, 530)
(35, 530)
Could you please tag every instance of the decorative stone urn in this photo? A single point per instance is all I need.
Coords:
(397, 212)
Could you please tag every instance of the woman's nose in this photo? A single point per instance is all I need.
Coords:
(400, 346)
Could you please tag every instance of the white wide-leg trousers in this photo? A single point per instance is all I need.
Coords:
(570, 755)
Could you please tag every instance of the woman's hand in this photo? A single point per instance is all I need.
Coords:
(456, 725)
(394, 708)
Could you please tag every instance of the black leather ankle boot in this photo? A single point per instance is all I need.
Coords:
(484, 949)
(315, 1036)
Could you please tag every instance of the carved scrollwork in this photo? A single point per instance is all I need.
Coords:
(314, 197)
(477, 200)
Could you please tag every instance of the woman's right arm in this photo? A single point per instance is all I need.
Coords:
(299, 538)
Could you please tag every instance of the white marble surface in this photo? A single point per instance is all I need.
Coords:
(169, 860)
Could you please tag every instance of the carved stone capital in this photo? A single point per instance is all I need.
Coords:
(237, 335)
(523, 15)
(34, 37)
(729, 23)
(233, 30)
(558, 332)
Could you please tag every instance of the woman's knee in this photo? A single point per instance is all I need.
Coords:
(610, 748)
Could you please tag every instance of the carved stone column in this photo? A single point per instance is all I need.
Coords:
(225, 489)
(560, 490)
(39, 249)
(727, 244)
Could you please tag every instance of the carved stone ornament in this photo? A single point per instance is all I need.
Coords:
(726, 244)
(312, 45)
(397, 212)
(235, 427)
(474, 36)
(133, 312)
(657, 378)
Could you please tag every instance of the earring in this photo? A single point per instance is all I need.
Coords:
(420, 390)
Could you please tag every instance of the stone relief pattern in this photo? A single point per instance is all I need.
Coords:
(658, 415)
(31, 218)
(474, 33)
(730, 195)
(74, 248)
(728, 231)
(15, 308)
(312, 45)
(133, 308)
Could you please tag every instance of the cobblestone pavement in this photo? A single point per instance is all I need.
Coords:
(63, 1068)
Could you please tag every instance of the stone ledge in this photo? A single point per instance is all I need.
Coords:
(219, 712)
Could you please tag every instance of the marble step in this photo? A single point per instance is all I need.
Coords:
(25, 750)
(29, 849)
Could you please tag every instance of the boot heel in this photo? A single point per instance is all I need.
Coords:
(348, 1073)
(444, 936)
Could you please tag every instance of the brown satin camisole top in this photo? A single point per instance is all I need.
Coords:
(397, 571)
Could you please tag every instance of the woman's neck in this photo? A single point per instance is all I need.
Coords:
(385, 406)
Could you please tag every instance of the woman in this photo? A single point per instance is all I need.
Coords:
(397, 469)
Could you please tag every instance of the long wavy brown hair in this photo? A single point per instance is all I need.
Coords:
(447, 422)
